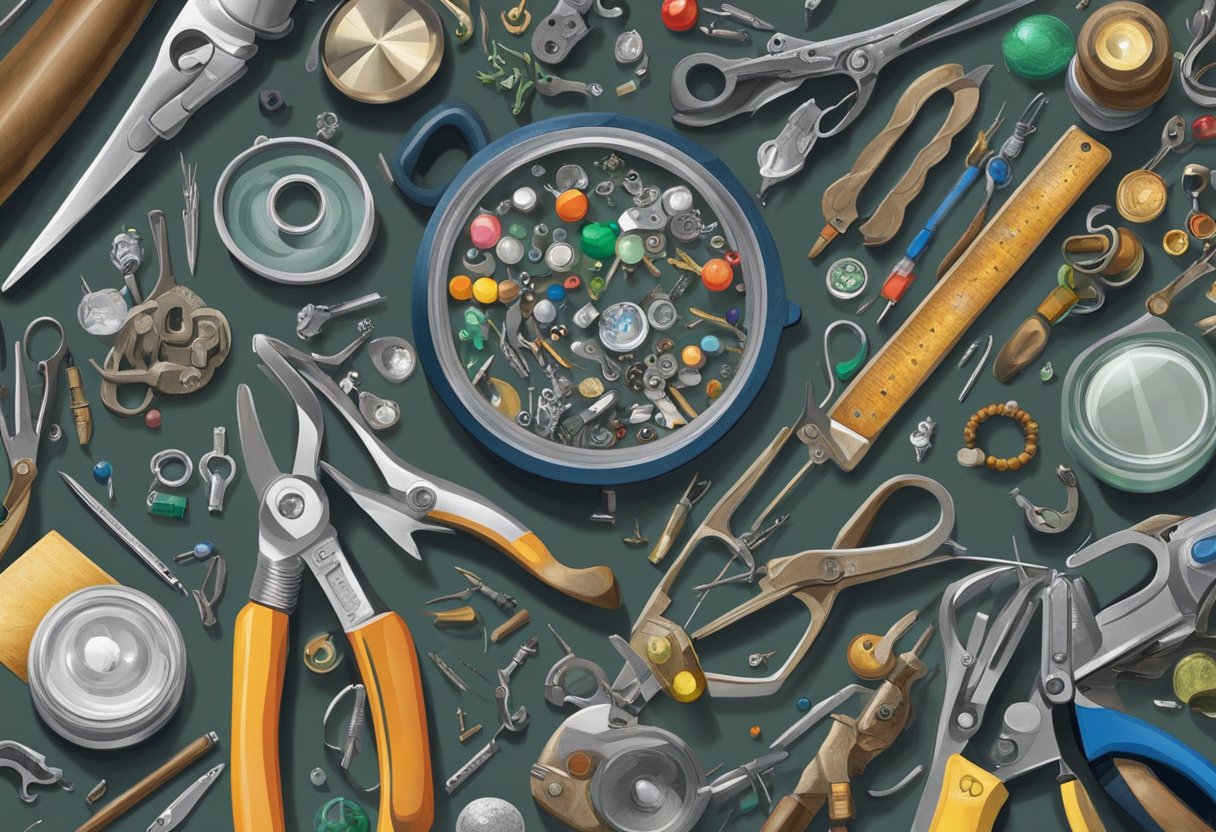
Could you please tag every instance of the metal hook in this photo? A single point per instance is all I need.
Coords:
(843, 370)
(1050, 520)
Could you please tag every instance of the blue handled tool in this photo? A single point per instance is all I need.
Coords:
(1153, 776)
(902, 276)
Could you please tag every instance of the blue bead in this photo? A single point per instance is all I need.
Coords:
(1204, 550)
(711, 345)
(203, 549)
(732, 316)
(102, 472)
(803, 704)
(556, 293)
(1000, 171)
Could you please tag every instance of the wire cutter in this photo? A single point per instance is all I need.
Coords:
(416, 501)
(961, 795)
(22, 444)
(204, 52)
(1158, 780)
(294, 532)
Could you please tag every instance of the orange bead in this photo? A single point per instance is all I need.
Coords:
(754, 732)
(717, 275)
(571, 205)
(460, 287)
(692, 357)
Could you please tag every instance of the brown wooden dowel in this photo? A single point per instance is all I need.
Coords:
(135, 795)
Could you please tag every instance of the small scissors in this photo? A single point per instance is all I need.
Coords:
(21, 445)
(750, 83)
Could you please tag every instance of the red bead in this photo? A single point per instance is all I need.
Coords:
(680, 15)
(152, 419)
(732, 257)
(1203, 128)
(572, 283)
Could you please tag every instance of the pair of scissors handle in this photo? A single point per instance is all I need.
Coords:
(817, 577)
(388, 663)
(48, 367)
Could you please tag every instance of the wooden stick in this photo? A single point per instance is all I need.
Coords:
(135, 795)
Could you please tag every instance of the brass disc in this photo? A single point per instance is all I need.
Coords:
(379, 51)
(506, 400)
(1141, 196)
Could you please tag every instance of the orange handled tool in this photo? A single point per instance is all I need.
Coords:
(295, 533)
(414, 501)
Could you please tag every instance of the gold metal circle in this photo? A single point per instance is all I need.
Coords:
(1141, 196)
(591, 387)
(379, 51)
(1123, 44)
(1176, 242)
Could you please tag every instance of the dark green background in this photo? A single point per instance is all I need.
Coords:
(431, 439)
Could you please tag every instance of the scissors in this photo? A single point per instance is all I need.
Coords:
(204, 52)
(750, 83)
(965, 795)
(21, 445)
(1158, 780)
(294, 533)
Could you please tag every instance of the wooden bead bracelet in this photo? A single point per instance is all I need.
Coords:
(971, 456)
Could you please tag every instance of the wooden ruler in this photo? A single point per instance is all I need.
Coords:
(1006, 242)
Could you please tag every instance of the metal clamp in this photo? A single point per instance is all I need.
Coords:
(217, 485)
(564, 27)
(1050, 520)
(31, 767)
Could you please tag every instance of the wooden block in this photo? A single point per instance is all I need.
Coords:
(48, 572)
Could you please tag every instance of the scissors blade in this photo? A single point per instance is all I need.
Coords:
(308, 408)
(180, 809)
(970, 23)
(111, 164)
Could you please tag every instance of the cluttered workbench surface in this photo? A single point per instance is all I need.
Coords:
(685, 322)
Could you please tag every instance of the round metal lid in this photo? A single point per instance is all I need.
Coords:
(379, 51)
(107, 667)
(295, 210)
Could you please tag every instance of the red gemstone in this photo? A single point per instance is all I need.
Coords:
(1203, 128)
(152, 419)
(680, 15)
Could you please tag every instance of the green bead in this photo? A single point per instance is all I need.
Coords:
(341, 815)
(167, 505)
(517, 230)
(595, 287)
(598, 240)
(1038, 47)
(630, 248)
(1047, 373)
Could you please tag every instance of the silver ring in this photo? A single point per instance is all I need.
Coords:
(165, 457)
(273, 197)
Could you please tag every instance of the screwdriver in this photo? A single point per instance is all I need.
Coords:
(902, 276)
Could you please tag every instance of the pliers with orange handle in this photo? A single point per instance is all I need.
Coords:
(414, 500)
(294, 533)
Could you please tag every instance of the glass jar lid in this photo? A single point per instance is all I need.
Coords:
(1138, 408)
(107, 667)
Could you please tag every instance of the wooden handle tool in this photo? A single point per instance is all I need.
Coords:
(53, 71)
(135, 795)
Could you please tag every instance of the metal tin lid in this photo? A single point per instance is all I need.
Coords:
(379, 51)
(262, 190)
(107, 667)
(1138, 407)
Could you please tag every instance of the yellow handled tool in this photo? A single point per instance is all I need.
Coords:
(295, 533)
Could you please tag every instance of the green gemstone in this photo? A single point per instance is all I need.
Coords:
(598, 240)
(1047, 373)
(167, 505)
(1038, 47)
(630, 248)
(518, 230)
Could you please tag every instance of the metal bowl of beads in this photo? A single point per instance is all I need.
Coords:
(597, 299)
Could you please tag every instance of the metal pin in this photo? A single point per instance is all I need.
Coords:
(975, 374)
